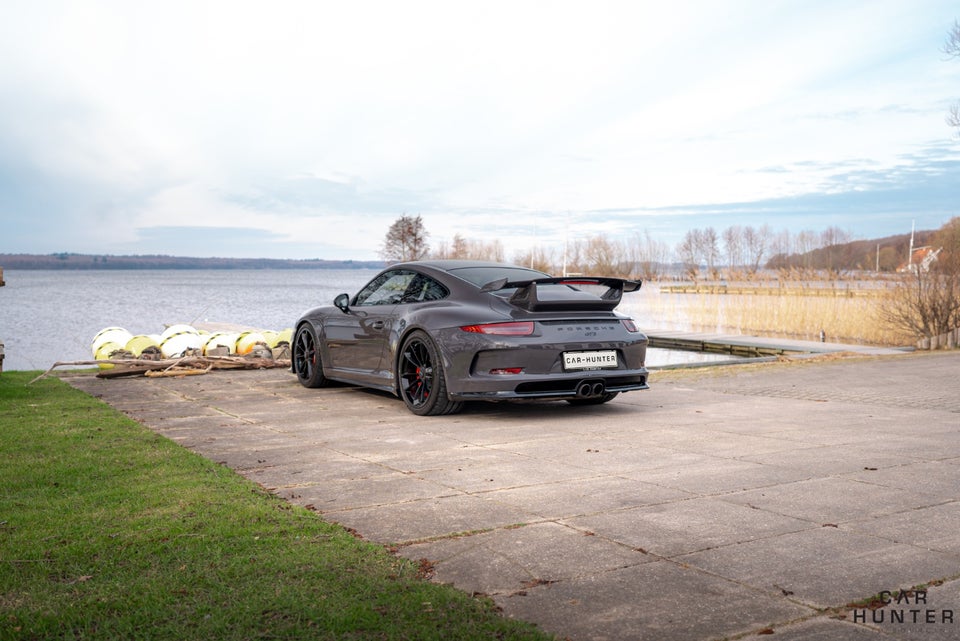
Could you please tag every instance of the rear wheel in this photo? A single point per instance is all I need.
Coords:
(595, 400)
(306, 358)
(420, 378)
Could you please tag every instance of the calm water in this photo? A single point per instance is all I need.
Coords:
(50, 316)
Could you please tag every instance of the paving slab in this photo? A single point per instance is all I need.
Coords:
(522, 558)
(586, 496)
(660, 600)
(936, 527)
(831, 500)
(927, 615)
(826, 567)
(936, 478)
(720, 504)
(712, 475)
(826, 629)
(680, 527)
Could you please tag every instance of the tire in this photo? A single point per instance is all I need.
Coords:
(596, 400)
(306, 358)
(420, 378)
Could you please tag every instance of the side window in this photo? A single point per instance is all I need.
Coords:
(385, 289)
(423, 288)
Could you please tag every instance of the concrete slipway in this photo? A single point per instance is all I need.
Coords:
(722, 503)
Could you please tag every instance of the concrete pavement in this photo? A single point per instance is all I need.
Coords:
(722, 503)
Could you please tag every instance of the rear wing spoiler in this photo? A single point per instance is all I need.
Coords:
(530, 298)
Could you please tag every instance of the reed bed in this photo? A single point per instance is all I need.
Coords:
(842, 319)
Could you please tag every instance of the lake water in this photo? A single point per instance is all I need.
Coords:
(50, 316)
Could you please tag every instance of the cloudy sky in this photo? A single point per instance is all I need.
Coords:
(303, 129)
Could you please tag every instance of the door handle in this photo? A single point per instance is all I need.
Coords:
(378, 324)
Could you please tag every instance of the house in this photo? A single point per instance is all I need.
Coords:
(922, 258)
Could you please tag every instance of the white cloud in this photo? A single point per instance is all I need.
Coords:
(329, 119)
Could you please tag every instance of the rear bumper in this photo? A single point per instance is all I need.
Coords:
(490, 367)
(580, 385)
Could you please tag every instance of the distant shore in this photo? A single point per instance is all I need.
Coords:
(94, 261)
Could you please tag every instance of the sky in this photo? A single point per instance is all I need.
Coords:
(303, 129)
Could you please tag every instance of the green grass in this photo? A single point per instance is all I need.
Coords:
(109, 531)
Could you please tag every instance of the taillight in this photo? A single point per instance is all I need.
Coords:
(519, 328)
(507, 371)
(630, 325)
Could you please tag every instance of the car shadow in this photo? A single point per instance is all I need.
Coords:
(514, 407)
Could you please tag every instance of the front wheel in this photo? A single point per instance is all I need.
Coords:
(420, 378)
(306, 358)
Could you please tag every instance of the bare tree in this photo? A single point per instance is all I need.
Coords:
(833, 236)
(690, 252)
(926, 301)
(948, 238)
(647, 255)
(406, 240)
(699, 248)
(952, 48)
(887, 259)
(537, 258)
(710, 250)
(442, 250)
(460, 248)
(494, 250)
(475, 249)
(733, 244)
(658, 255)
(603, 256)
(757, 241)
(781, 248)
(830, 239)
(573, 257)
(469, 249)
(806, 242)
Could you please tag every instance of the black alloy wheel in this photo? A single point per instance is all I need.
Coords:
(306, 358)
(420, 378)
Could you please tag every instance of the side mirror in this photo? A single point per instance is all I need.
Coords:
(342, 302)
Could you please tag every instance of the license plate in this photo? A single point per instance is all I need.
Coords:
(603, 359)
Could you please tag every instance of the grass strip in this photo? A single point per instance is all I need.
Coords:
(110, 531)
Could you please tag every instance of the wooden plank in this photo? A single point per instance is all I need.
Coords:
(753, 345)
(717, 346)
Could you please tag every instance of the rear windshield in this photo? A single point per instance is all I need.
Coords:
(480, 276)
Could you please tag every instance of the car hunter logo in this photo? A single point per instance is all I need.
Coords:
(901, 606)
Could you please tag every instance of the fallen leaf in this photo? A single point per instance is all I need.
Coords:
(425, 569)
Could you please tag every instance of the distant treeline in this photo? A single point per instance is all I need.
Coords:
(87, 261)
(736, 252)
(882, 254)
(748, 250)
(703, 252)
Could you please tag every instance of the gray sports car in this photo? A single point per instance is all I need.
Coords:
(439, 333)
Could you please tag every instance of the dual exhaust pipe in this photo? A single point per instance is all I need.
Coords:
(588, 389)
